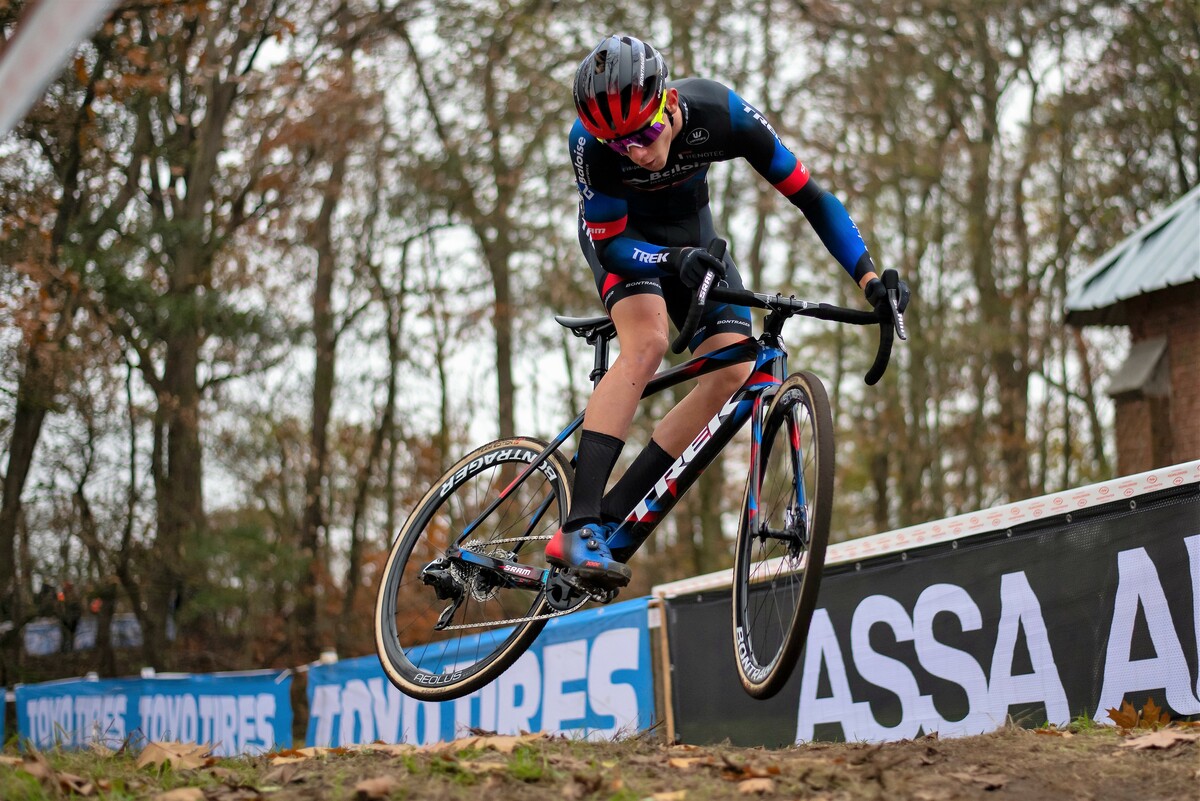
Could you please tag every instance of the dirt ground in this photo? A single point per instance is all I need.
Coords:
(1102, 763)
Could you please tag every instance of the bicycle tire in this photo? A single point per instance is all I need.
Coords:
(414, 658)
(776, 580)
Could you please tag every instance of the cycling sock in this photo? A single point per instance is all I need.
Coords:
(594, 463)
(647, 468)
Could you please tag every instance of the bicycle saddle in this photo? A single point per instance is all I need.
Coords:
(588, 327)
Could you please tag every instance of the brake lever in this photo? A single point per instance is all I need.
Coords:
(893, 296)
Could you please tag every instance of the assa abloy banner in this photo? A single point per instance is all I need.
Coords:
(587, 675)
(1058, 618)
(235, 713)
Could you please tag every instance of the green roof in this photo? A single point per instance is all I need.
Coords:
(1163, 254)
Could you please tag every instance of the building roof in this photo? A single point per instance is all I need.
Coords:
(1164, 253)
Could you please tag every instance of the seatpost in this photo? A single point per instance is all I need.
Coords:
(600, 361)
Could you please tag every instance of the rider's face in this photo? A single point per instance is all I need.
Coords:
(654, 157)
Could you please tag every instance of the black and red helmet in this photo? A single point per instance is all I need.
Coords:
(619, 87)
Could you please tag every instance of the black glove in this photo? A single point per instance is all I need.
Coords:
(693, 263)
(876, 292)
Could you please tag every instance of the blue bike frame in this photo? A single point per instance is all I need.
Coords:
(770, 369)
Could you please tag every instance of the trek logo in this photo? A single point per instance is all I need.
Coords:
(664, 485)
(697, 136)
(649, 258)
(506, 455)
(753, 112)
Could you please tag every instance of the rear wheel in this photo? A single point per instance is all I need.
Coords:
(782, 537)
(447, 621)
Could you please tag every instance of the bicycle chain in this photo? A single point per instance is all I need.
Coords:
(474, 545)
(491, 623)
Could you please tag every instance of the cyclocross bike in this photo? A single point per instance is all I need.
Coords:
(466, 588)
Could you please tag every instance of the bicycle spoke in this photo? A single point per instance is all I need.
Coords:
(776, 574)
(486, 617)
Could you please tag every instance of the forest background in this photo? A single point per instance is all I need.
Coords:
(268, 266)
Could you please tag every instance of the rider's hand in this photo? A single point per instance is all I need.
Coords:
(876, 293)
(693, 263)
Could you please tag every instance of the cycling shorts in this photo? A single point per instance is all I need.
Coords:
(695, 231)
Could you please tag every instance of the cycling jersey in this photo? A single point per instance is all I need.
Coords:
(622, 203)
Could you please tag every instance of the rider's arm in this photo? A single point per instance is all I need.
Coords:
(603, 216)
(761, 147)
(602, 236)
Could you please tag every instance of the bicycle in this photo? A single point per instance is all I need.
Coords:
(470, 556)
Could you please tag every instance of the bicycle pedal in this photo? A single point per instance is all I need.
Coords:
(564, 593)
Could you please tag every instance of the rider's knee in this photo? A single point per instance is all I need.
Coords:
(727, 381)
(645, 351)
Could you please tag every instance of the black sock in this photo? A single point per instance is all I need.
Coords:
(594, 463)
(647, 468)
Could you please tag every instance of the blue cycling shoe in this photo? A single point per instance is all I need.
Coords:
(585, 553)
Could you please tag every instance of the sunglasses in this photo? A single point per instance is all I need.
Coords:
(644, 136)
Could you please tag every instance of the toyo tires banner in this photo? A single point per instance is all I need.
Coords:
(587, 674)
(1045, 620)
(236, 713)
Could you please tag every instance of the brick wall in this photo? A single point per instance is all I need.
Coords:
(1174, 314)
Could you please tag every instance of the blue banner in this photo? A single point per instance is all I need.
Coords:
(235, 713)
(587, 675)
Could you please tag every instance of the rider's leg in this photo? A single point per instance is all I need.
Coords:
(641, 323)
(681, 425)
(677, 430)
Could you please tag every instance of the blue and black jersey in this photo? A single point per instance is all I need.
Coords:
(620, 202)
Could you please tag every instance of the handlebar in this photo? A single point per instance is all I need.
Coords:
(888, 316)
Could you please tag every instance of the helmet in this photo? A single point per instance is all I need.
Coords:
(619, 87)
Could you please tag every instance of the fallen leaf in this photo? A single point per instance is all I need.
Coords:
(1163, 738)
(1054, 732)
(377, 788)
(181, 794)
(687, 763)
(1152, 716)
(989, 781)
(1126, 717)
(391, 749)
(10, 761)
(506, 744)
(76, 784)
(288, 760)
(180, 756)
(756, 786)
(676, 795)
(282, 774)
(484, 767)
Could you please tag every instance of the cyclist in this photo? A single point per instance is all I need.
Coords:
(641, 147)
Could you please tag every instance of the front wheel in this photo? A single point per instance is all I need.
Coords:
(457, 607)
(782, 536)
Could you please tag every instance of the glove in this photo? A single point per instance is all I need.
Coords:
(876, 292)
(693, 263)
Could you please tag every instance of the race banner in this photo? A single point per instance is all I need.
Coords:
(586, 675)
(1060, 617)
(235, 713)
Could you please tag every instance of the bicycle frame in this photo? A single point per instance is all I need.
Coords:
(770, 369)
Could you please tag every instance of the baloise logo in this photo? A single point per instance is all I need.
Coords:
(697, 136)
